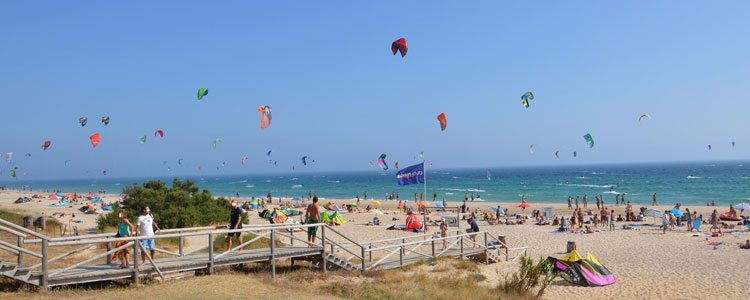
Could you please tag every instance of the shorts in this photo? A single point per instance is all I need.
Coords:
(312, 231)
(664, 223)
(148, 244)
(612, 224)
(237, 234)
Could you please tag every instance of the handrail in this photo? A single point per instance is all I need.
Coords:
(9, 245)
(9, 250)
(91, 259)
(63, 255)
(434, 239)
(16, 233)
(345, 249)
(24, 230)
(345, 237)
(164, 236)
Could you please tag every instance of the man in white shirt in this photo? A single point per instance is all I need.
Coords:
(144, 228)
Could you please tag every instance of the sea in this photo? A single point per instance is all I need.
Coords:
(694, 183)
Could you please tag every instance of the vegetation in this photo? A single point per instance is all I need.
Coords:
(530, 276)
(179, 206)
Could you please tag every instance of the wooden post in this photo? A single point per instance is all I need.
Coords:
(370, 247)
(486, 250)
(136, 251)
(210, 253)
(323, 256)
(273, 255)
(182, 244)
(401, 256)
(44, 283)
(364, 266)
(19, 263)
(462, 247)
(433, 249)
(109, 256)
(291, 238)
(458, 217)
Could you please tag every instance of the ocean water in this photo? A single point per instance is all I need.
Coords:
(688, 183)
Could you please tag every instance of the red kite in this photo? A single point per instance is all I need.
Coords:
(400, 45)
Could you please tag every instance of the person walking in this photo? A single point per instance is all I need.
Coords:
(235, 222)
(124, 230)
(145, 227)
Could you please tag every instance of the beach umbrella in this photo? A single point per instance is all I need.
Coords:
(676, 212)
(422, 203)
(525, 205)
(352, 204)
(742, 206)
(494, 208)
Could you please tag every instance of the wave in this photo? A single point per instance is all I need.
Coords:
(117, 184)
(449, 193)
(296, 186)
(455, 177)
(590, 185)
(250, 186)
(462, 190)
(268, 180)
(693, 177)
(613, 192)
(334, 181)
(598, 173)
(241, 181)
(294, 179)
(582, 177)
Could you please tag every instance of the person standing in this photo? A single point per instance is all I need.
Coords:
(576, 202)
(612, 220)
(444, 231)
(365, 195)
(617, 200)
(312, 214)
(655, 203)
(570, 202)
(585, 201)
(665, 221)
(474, 228)
(235, 222)
(434, 197)
(714, 220)
(145, 227)
(598, 202)
(124, 230)
(689, 219)
(396, 196)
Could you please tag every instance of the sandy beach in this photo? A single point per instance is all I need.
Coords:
(647, 263)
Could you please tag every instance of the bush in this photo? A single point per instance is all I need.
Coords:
(530, 276)
(179, 206)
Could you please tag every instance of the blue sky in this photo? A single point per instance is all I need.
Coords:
(339, 96)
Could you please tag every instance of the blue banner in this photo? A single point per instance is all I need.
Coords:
(411, 174)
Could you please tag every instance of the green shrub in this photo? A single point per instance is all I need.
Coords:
(179, 206)
(530, 276)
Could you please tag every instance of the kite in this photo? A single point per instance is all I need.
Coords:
(95, 140)
(159, 132)
(13, 172)
(421, 154)
(265, 116)
(575, 154)
(526, 97)
(275, 162)
(304, 160)
(371, 163)
(66, 162)
(400, 46)
(531, 148)
(83, 121)
(143, 139)
(381, 162)
(732, 144)
(8, 156)
(709, 147)
(179, 161)
(105, 172)
(202, 92)
(243, 160)
(216, 141)
(396, 165)
(28, 154)
(223, 164)
(643, 116)
(268, 156)
(105, 120)
(589, 140)
(443, 121)
(46, 145)
(557, 154)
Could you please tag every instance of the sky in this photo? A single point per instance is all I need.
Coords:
(341, 97)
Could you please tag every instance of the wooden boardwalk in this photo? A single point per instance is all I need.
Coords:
(327, 254)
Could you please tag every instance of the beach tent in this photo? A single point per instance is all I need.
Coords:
(742, 207)
(334, 208)
(53, 197)
(291, 212)
(413, 224)
(334, 218)
(585, 272)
